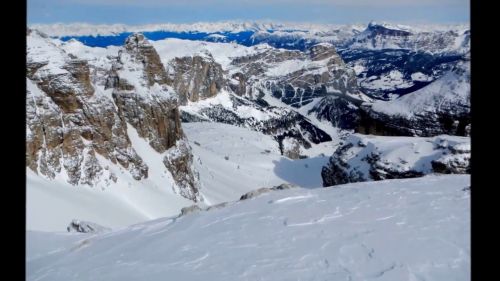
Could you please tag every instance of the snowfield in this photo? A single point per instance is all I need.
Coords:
(411, 229)
(233, 160)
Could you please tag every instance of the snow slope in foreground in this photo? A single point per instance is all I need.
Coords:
(411, 229)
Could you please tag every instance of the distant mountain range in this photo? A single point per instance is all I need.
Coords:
(390, 60)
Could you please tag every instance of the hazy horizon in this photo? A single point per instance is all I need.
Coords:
(132, 12)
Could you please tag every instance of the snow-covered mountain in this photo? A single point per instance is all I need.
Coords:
(259, 87)
(112, 116)
(288, 35)
(178, 150)
(394, 60)
(390, 60)
(441, 107)
(80, 29)
(82, 132)
(410, 229)
(387, 36)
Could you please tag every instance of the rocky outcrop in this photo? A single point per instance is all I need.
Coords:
(66, 89)
(152, 109)
(254, 193)
(76, 132)
(379, 158)
(423, 124)
(257, 192)
(239, 84)
(189, 210)
(67, 125)
(455, 162)
(179, 162)
(157, 121)
(86, 227)
(340, 112)
(143, 52)
(290, 148)
(196, 78)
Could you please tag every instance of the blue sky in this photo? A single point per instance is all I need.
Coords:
(188, 11)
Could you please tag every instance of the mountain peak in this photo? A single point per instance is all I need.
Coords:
(36, 33)
(136, 39)
(383, 28)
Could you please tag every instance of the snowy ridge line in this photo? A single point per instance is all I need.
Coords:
(249, 195)
(81, 29)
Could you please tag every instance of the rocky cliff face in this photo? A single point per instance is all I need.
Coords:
(340, 112)
(141, 51)
(196, 78)
(67, 123)
(77, 130)
(294, 77)
(142, 95)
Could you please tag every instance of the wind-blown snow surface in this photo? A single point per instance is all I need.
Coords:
(411, 229)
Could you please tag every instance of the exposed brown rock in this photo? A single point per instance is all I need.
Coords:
(240, 88)
(67, 125)
(179, 161)
(196, 78)
(142, 51)
(153, 111)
